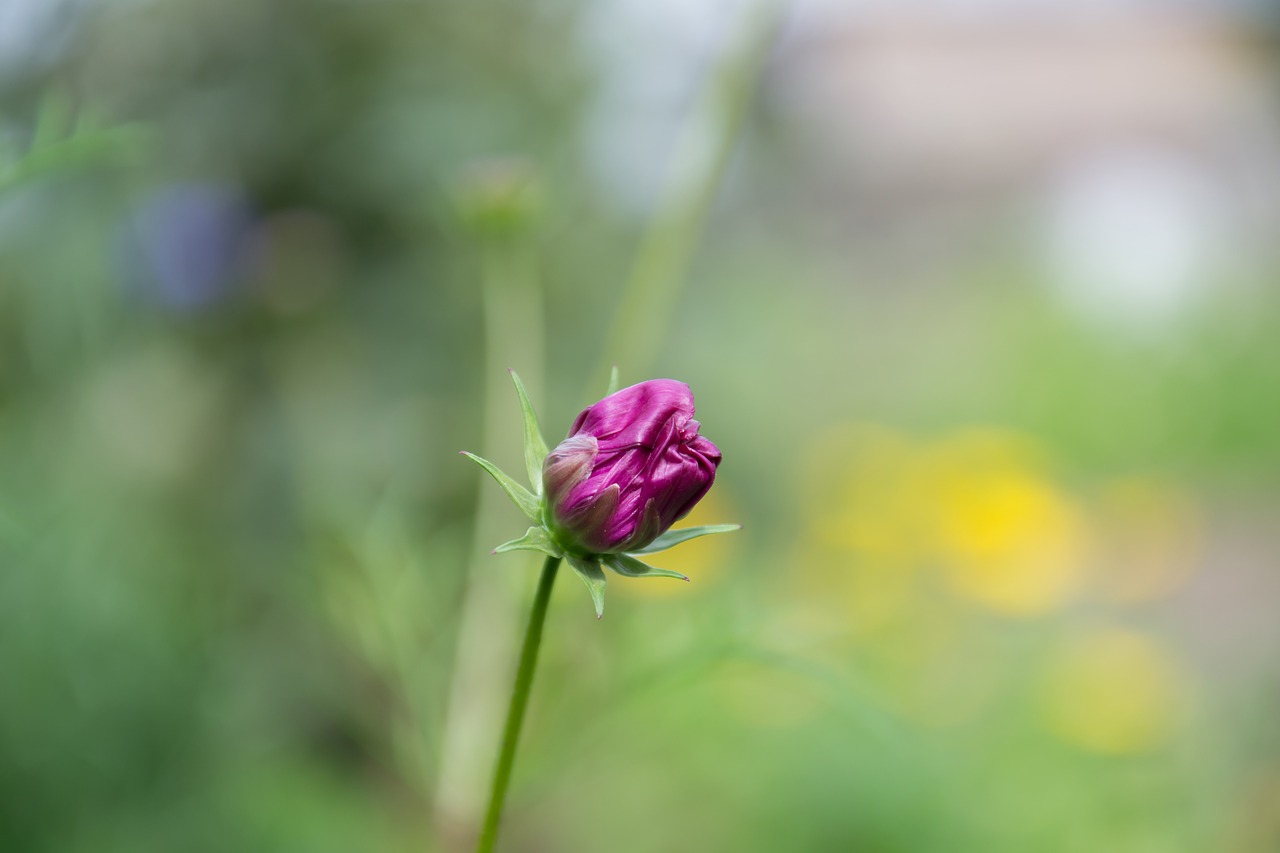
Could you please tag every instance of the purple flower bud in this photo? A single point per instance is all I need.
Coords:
(633, 465)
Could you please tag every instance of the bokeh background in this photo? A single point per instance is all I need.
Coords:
(978, 299)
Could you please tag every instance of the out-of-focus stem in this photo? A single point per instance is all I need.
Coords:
(512, 308)
(519, 701)
(702, 153)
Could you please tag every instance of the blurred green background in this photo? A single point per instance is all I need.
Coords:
(978, 300)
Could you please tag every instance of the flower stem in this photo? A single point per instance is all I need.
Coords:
(488, 615)
(519, 699)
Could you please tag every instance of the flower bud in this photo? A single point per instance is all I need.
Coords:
(633, 465)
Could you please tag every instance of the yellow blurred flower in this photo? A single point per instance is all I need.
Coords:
(1115, 692)
(978, 504)
(1006, 535)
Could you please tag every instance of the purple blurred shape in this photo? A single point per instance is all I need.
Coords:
(191, 244)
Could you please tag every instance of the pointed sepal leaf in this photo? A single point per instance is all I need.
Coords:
(613, 381)
(633, 568)
(536, 539)
(675, 537)
(593, 576)
(535, 447)
(519, 495)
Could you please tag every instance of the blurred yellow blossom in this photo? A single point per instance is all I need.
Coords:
(1114, 691)
(1006, 535)
(978, 504)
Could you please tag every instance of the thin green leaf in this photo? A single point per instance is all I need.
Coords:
(633, 568)
(613, 381)
(535, 448)
(536, 539)
(675, 537)
(593, 577)
(85, 147)
(520, 496)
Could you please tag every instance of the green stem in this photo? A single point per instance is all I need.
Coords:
(519, 700)
(488, 615)
(701, 157)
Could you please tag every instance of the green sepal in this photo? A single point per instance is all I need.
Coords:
(592, 575)
(535, 447)
(633, 568)
(675, 537)
(536, 539)
(520, 496)
(613, 381)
